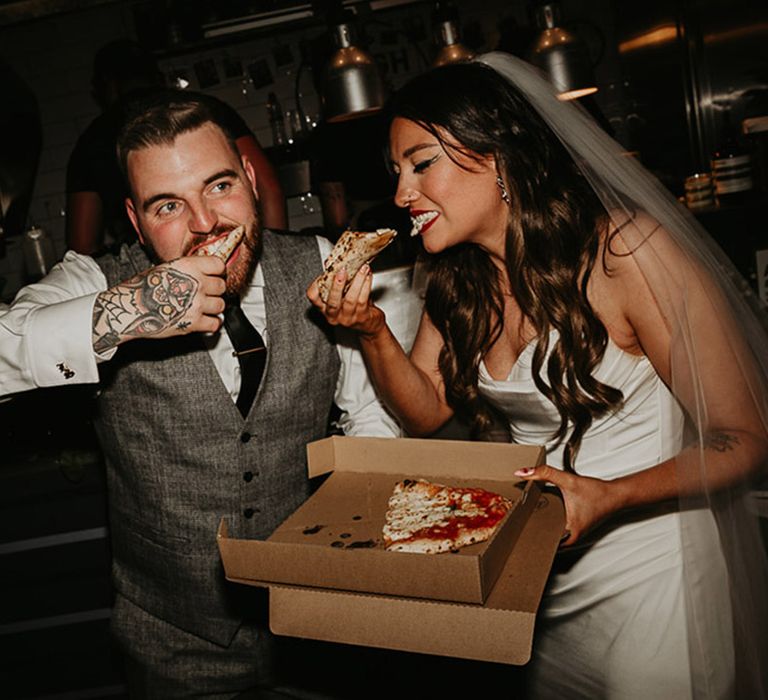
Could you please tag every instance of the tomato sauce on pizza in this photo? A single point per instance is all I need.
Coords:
(432, 518)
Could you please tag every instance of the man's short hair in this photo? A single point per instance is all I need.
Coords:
(158, 118)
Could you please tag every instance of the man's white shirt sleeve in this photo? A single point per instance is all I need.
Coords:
(46, 338)
(46, 333)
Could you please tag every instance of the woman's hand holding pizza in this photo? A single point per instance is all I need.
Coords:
(353, 309)
(588, 501)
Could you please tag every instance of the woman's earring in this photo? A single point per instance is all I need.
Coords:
(504, 193)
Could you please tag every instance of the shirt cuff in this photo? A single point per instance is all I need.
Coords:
(59, 343)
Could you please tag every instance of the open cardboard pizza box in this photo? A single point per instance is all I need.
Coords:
(368, 596)
(334, 539)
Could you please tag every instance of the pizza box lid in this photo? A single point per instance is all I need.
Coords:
(333, 540)
(500, 630)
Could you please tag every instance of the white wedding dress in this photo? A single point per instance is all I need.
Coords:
(614, 619)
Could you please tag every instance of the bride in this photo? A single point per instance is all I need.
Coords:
(568, 292)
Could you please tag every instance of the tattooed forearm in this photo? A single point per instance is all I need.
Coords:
(145, 305)
(721, 442)
(103, 337)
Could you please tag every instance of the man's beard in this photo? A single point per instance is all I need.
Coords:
(240, 273)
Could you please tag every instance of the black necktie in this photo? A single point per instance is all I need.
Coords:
(249, 350)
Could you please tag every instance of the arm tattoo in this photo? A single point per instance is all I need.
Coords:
(145, 305)
(722, 442)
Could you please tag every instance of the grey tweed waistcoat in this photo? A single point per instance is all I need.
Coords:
(180, 456)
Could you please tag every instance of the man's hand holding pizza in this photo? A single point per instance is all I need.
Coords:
(174, 298)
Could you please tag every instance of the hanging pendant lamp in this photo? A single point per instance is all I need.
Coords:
(353, 87)
(562, 56)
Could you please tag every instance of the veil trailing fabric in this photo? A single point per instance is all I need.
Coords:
(718, 362)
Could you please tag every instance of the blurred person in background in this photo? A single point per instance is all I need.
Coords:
(20, 142)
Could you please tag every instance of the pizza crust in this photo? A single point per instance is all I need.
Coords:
(431, 518)
(351, 252)
(224, 248)
(432, 546)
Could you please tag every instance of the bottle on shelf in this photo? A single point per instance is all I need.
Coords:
(39, 256)
(276, 121)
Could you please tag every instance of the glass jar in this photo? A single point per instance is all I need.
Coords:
(699, 192)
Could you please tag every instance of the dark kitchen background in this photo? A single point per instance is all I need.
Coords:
(679, 81)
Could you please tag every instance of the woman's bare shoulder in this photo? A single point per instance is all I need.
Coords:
(629, 234)
(618, 286)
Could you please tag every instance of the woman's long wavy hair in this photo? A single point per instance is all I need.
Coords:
(552, 244)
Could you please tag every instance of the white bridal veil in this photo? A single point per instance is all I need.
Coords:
(719, 367)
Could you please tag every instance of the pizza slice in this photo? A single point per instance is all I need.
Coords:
(223, 247)
(351, 252)
(431, 518)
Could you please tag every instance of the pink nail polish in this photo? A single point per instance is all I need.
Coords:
(524, 472)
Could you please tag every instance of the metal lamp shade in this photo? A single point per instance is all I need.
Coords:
(564, 57)
(452, 50)
(353, 87)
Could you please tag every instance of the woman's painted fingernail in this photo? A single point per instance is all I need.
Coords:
(524, 472)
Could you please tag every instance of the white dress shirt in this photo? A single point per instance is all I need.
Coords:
(46, 338)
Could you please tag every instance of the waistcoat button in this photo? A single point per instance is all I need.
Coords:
(248, 512)
(244, 437)
(248, 476)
